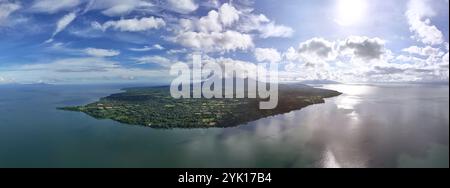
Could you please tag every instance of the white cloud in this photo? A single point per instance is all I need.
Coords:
(6, 9)
(144, 49)
(431, 65)
(361, 59)
(228, 14)
(272, 30)
(148, 48)
(132, 25)
(62, 24)
(223, 30)
(53, 6)
(410, 59)
(214, 21)
(158, 47)
(186, 24)
(260, 23)
(4, 80)
(162, 61)
(119, 7)
(425, 51)
(445, 59)
(419, 13)
(177, 51)
(97, 52)
(358, 59)
(267, 54)
(210, 23)
(291, 54)
(79, 70)
(70, 65)
(213, 32)
(215, 41)
(126, 8)
(252, 22)
(183, 6)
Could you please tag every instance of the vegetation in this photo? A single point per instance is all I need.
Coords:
(154, 107)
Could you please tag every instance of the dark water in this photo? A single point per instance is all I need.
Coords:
(367, 126)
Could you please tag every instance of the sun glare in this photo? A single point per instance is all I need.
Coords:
(350, 12)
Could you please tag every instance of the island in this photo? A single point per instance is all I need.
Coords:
(154, 107)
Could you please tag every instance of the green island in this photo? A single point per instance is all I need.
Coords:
(154, 107)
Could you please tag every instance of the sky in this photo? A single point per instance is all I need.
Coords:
(109, 41)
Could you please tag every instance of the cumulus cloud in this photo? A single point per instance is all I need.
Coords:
(132, 25)
(273, 30)
(410, 59)
(425, 51)
(260, 23)
(420, 64)
(291, 54)
(213, 32)
(313, 52)
(445, 60)
(228, 14)
(183, 6)
(419, 13)
(226, 29)
(346, 60)
(210, 23)
(363, 47)
(316, 48)
(267, 54)
(214, 21)
(6, 9)
(53, 6)
(97, 52)
(62, 24)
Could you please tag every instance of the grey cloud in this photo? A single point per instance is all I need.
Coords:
(317, 46)
(364, 47)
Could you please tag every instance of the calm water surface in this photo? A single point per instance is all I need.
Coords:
(367, 126)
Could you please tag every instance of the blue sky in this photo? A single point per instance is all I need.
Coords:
(91, 41)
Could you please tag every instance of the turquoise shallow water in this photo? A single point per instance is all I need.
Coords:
(367, 126)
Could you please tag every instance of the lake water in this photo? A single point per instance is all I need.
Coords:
(367, 126)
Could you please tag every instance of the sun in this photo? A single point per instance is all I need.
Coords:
(350, 12)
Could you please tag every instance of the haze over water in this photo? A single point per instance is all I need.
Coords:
(367, 126)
